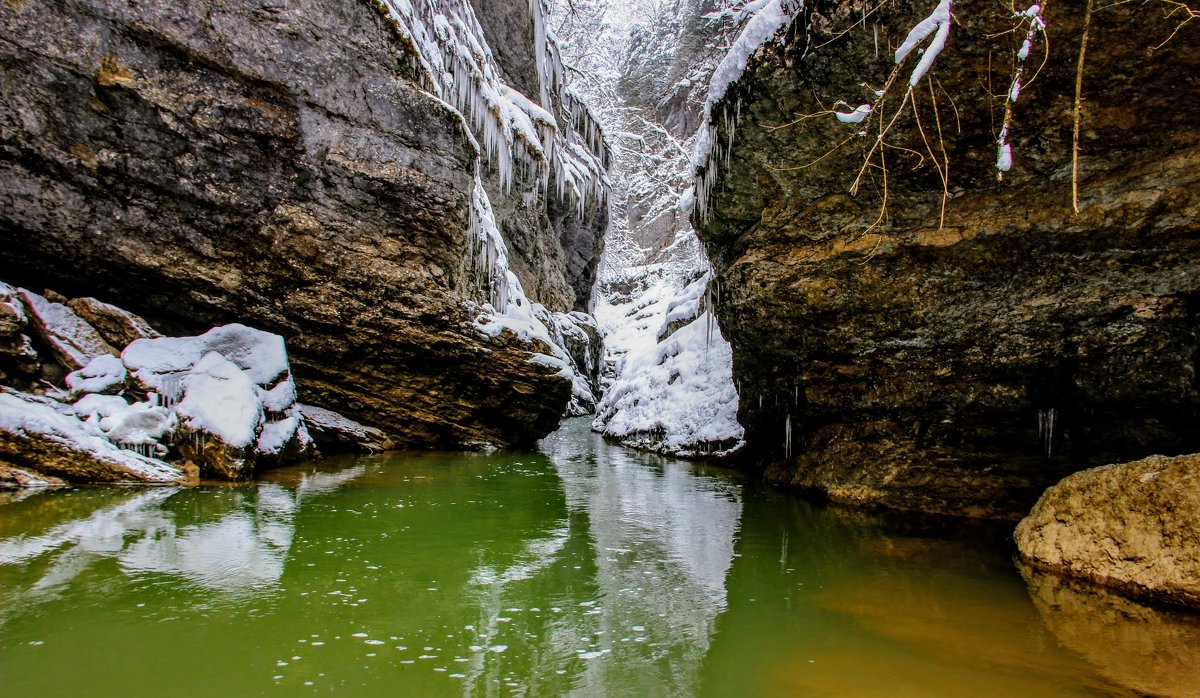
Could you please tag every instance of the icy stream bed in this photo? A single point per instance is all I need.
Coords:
(582, 568)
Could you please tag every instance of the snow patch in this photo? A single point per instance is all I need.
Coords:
(676, 397)
(102, 374)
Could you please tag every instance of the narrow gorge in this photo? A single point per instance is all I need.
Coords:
(600, 347)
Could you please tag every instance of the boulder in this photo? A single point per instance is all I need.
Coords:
(232, 391)
(118, 327)
(72, 342)
(1133, 527)
(38, 439)
(220, 416)
(334, 433)
(104, 374)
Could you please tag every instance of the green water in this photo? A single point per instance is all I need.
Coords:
(582, 568)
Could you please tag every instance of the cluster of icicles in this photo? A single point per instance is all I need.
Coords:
(521, 139)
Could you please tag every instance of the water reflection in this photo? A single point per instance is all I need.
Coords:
(1149, 650)
(226, 540)
(658, 541)
(584, 569)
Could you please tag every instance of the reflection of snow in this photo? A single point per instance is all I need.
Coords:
(101, 534)
(324, 483)
(238, 550)
(661, 543)
(242, 550)
(663, 539)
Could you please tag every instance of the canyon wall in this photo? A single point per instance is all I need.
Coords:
(276, 164)
(951, 335)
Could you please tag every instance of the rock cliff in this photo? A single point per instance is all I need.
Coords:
(920, 318)
(277, 164)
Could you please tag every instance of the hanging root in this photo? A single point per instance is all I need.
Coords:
(1087, 23)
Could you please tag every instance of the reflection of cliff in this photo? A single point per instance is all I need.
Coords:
(232, 542)
(653, 546)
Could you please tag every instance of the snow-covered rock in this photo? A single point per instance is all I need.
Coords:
(220, 416)
(37, 437)
(73, 341)
(676, 397)
(233, 391)
(223, 403)
(159, 364)
(103, 374)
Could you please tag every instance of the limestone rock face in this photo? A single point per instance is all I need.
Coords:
(266, 163)
(1134, 527)
(19, 361)
(959, 365)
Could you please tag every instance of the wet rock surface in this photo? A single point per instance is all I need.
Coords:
(888, 356)
(265, 163)
(1133, 527)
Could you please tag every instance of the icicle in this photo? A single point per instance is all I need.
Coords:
(787, 436)
(1046, 420)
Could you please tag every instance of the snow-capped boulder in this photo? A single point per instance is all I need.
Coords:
(334, 432)
(42, 439)
(104, 374)
(233, 391)
(159, 364)
(118, 327)
(72, 341)
(220, 416)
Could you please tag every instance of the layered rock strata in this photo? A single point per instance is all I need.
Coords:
(274, 164)
(920, 318)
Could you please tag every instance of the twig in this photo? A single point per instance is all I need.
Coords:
(1087, 23)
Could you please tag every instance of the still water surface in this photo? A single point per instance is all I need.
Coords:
(583, 568)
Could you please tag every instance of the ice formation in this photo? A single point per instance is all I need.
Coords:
(509, 309)
(532, 142)
(516, 134)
